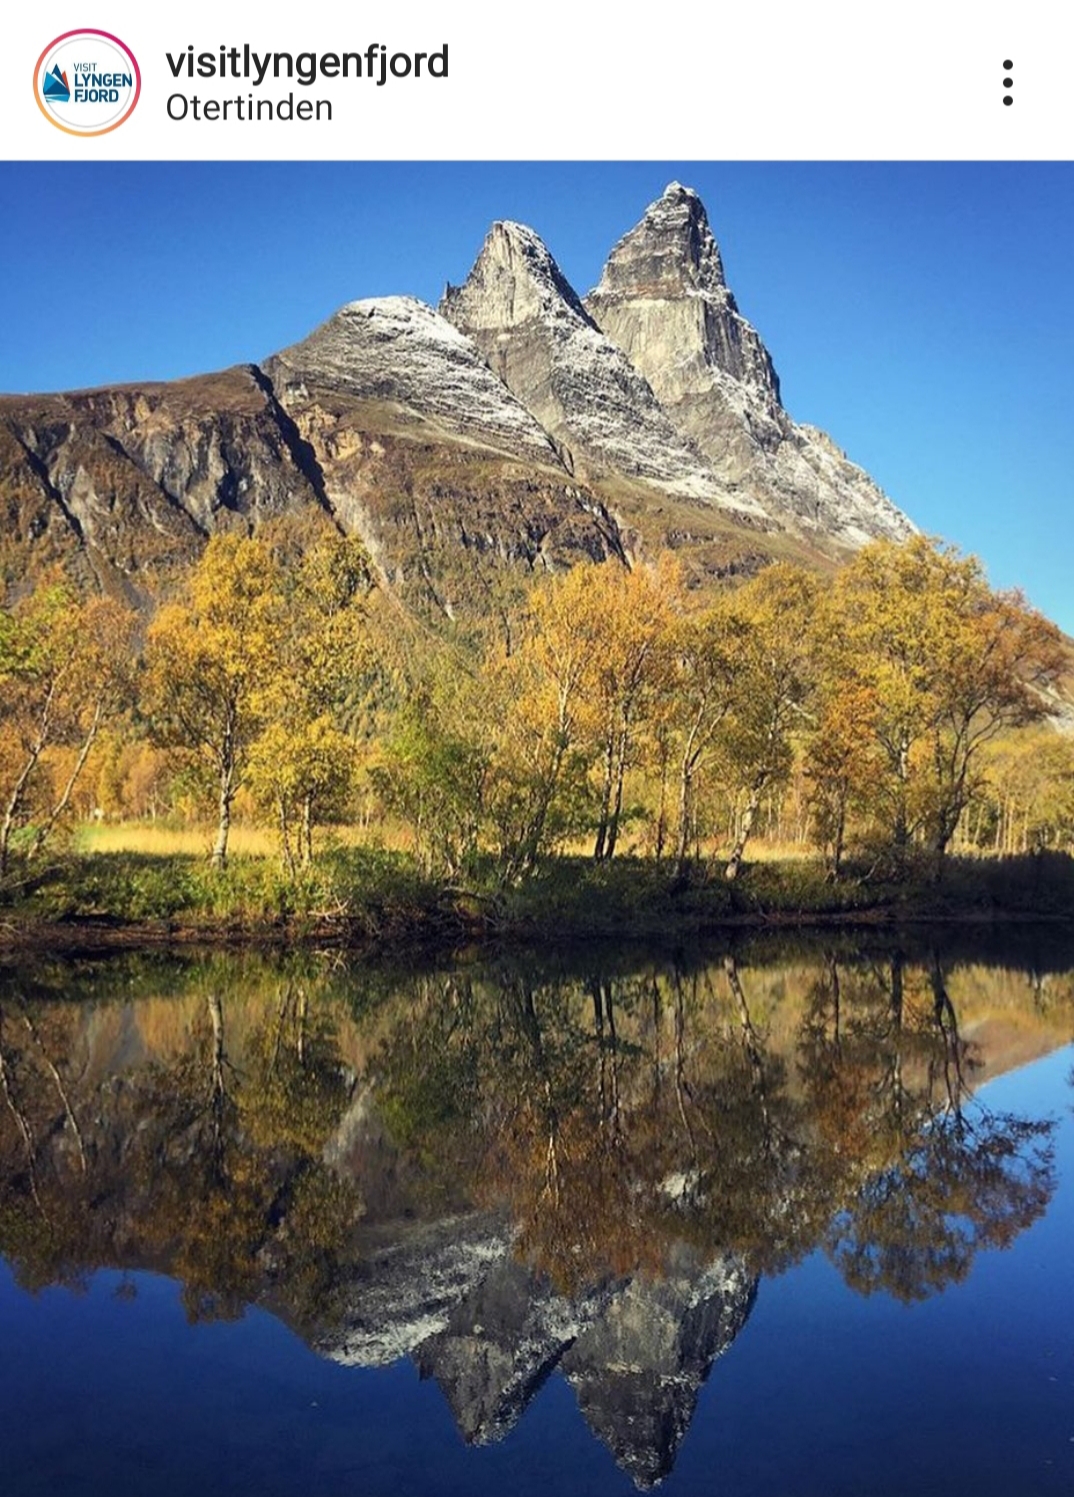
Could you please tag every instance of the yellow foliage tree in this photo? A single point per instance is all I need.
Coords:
(544, 719)
(301, 763)
(64, 669)
(211, 660)
(703, 684)
(941, 664)
(632, 614)
(772, 619)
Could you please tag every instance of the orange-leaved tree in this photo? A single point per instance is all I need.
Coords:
(940, 664)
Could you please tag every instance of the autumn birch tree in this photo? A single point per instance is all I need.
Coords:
(64, 670)
(945, 665)
(773, 680)
(302, 761)
(543, 716)
(210, 661)
(702, 696)
(631, 613)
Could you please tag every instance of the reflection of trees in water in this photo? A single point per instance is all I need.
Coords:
(200, 1163)
(948, 1176)
(611, 1116)
(925, 1175)
(615, 1117)
(656, 1140)
(38, 1120)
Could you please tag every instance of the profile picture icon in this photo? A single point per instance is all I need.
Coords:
(87, 82)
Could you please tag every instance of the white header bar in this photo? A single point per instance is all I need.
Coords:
(789, 81)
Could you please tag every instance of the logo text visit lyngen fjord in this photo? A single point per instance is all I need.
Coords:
(87, 82)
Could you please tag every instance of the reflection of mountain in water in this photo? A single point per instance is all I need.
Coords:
(638, 1369)
(499, 1345)
(490, 1331)
(406, 1292)
(509, 1175)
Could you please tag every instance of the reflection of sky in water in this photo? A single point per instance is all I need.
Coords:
(822, 1391)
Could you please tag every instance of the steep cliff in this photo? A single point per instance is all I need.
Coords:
(126, 483)
(664, 301)
(384, 422)
(426, 454)
(602, 414)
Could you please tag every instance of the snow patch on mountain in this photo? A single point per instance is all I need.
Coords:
(602, 414)
(664, 300)
(398, 350)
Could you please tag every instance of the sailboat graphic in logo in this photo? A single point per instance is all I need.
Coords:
(56, 87)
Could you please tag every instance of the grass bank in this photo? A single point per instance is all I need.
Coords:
(360, 896)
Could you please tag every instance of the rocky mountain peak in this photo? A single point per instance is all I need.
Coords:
(397, 349)
(599, 409)
(513, 279)
(669, 252)
(517, 426)
(664, 300)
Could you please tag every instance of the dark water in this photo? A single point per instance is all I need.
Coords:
(789, 1220)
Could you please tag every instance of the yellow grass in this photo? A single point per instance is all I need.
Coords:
(197, 841)
(758, 849)
(761, 850)
(260, 842)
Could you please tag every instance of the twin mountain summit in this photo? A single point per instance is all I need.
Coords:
(518, 427)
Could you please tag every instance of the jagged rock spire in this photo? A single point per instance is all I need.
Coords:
(513, 280)
(521, 311)
(664, 300)
(671, 250)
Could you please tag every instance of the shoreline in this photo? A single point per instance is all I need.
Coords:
(370, 901)
(100, 936)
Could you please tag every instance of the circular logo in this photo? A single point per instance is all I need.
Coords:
(87, 82)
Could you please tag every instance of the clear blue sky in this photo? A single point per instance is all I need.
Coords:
(922, 314)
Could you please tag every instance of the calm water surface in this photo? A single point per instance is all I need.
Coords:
(787, 1220)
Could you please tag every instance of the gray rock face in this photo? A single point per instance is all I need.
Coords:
(409, 1289)
(427, 455)
(499, 1346)
(386, 422)
(490, 1331)
(600, 411)
(664, 301)
(132, 480)
(638, 1369)
(397, 350)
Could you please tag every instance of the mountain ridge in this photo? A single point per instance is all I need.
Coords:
(518, 428)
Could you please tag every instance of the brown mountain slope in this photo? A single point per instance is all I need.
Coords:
(467, 451)
(123, 485)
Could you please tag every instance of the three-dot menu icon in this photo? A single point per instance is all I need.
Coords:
(1008, 82)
